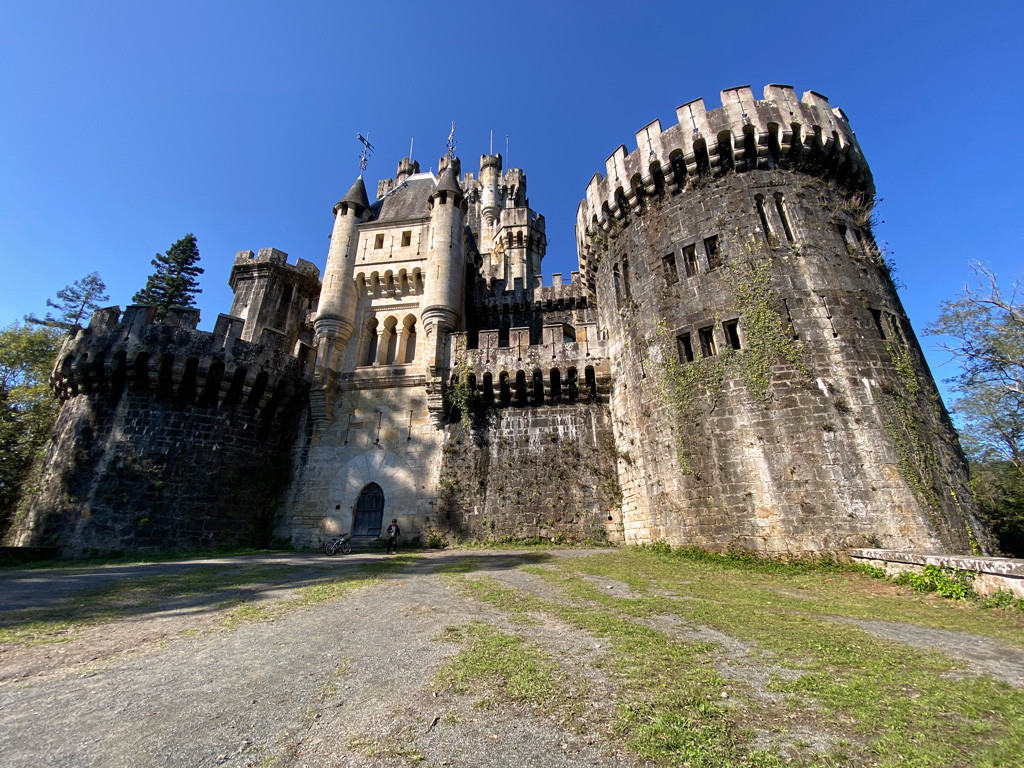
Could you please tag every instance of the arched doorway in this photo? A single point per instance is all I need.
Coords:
(369, 513)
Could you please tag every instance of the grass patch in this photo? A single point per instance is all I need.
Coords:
(806, 690)
(505, 666)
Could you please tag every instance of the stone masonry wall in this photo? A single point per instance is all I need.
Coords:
(545, 472)
(139, 474)
(823, 430)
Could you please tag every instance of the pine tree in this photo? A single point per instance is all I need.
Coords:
(74, 304)
(174, 281)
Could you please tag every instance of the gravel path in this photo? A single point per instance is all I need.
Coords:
(295, 692)
(342, 683)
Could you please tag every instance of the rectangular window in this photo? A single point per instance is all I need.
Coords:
(690, 260)
(378, 242)
(732, 333)
(406, 238)
(714, 255)
(669, 262)
(684, 348)
(876, 314)
(707, 341)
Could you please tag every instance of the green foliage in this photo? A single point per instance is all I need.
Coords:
(75, 303)
(28, 408)
(948, 582)
(916, 457)
(999, 488)
(1004, 599)
(461, 396)
(174, 282)
(768, 340)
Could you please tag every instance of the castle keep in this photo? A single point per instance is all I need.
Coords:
(730, 366)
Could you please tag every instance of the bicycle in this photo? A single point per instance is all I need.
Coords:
(338, 544)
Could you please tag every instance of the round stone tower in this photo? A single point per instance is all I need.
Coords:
(769, 392)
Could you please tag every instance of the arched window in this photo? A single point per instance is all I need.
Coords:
(390, 325)
(370, 341)
(488, 390)
(521, 394)
(409, 353)
(369, 512)
(538, 387)
(556, 386)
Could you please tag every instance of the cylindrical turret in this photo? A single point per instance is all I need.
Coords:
(446, 267)
(406, 168)
(336, 313)
(490, 180)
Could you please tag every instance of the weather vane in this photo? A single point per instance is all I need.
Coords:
(451, 142)
(364, 156)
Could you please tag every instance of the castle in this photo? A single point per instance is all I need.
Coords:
(730, 367)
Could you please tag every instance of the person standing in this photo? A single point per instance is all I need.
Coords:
(393, 533)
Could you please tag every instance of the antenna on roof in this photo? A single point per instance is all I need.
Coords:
(506, 151)
(492, 143)
(410, 147)
(364, 156)
(451, 142)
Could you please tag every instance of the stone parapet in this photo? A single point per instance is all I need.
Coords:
(173, 360)
(992, 574)
(743, 134)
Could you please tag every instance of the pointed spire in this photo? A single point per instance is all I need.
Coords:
(356, 196)
(449, 181)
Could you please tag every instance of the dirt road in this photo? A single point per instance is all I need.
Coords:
(341, 683)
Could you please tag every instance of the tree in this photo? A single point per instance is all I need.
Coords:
(28, 408)
(987, 331)
(174, 281)
(75, 303)
(987, 328)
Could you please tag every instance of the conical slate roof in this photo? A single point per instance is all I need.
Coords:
(356, 194)
(449, 182)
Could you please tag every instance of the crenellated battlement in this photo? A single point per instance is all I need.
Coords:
(743, 134)
(176, 362)
(561, 369)
(572, 292)
(279, 258)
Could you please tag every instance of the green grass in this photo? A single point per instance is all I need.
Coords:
(863, 699)
(508, 668)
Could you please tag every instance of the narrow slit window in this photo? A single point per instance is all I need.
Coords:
(684, 347)
(625, 279)
(769, 233)
(617, 280)
(876, 315)
(378, 241)
(707, 341)
(671, 274)
(732, 333)
(828, 316)
(780, 206)
(690, 260)
(713, 252)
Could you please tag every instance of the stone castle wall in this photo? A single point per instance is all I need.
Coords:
(768, 390)
(543, 472)
(167, 438)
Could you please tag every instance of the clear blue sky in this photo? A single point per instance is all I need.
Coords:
(127, 125)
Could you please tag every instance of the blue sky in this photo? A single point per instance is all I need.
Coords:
(127, 125)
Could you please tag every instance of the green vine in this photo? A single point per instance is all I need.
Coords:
(916, 457)
(681, 384)
(768, 340)
(460, 395)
